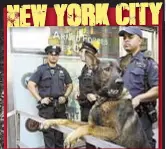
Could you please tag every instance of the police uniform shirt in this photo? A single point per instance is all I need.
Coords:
(85, 82)
(51, 81)
(134, 75)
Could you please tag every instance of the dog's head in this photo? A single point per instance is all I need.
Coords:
(107, 79)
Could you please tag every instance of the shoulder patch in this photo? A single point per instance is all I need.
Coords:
(39, 67)
(148, 54)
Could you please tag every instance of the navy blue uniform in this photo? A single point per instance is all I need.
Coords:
(85, 87)
(134, 81)
(51, 83)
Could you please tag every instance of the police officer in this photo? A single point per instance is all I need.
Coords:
(134, 76)
(54, 85)
(88, 55)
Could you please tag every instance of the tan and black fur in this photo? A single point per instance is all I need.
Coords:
(112, 117)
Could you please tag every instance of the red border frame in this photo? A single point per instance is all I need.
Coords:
(5, 77)
(160, 43)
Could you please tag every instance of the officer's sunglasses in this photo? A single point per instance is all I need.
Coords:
(53, 53)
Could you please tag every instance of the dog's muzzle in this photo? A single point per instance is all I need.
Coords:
(114, 89)
(119, 82)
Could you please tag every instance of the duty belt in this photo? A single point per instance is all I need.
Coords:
(54, 102)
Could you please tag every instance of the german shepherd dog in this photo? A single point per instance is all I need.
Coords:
(112, 117)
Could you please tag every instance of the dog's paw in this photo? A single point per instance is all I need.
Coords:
(45, 125)
(70, 140)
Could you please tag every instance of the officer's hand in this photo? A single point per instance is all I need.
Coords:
(45, 100)
(91, 97)
(136, 101)
(61, 100)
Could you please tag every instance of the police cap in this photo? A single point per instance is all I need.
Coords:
(89, 47)
(50, 49)
(131, 30)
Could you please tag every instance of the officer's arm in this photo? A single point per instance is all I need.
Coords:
(150, 95)
(69, 88)
(32, 87)
(68, 82)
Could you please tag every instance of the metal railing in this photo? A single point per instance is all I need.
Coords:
(89, 139)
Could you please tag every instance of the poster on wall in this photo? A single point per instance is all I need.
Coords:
(84, 75)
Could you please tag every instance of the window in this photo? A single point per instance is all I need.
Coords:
(105, 38)
(34, 40)
(29, 39)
